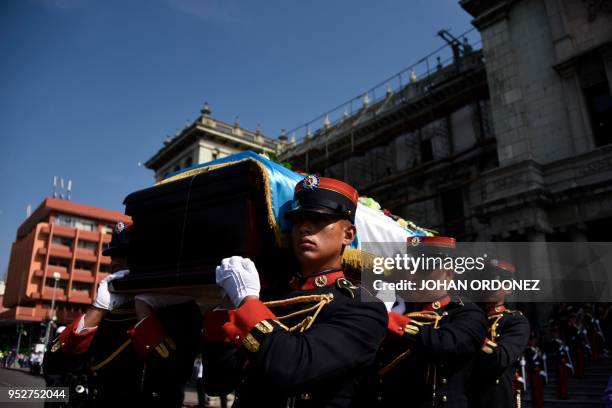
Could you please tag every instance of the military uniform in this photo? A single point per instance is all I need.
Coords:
(128, 365)
(313, 359)
(559, 353)
(492, 384)
(536, 374)
(427, 358)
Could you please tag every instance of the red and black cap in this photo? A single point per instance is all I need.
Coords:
(442, 244)
(324, 195)
(120, 240)
(431, 246)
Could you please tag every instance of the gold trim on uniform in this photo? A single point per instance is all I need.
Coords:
(410, 329)
(251, 343)
(436, 305)
(162, 350)
(264, 326)
(56, 346)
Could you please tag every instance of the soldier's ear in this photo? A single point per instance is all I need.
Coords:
(349, 233)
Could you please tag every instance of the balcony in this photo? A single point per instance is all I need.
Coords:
(60, 251)
(82, 275)
(78, 296)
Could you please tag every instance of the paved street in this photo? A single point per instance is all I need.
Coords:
(16, 378)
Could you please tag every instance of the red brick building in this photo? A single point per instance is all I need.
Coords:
(64, 237)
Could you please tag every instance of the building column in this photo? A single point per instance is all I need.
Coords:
(583, 261)
(539, 265)
(578, 115)
(607, 59)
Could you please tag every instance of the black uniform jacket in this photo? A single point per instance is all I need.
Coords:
(428, 355)
(494, 373)
(315, 357)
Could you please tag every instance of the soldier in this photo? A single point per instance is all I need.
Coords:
(109, 337)
(577, 337)
(560, 355)
(537, 374)
(427, 358)
(317, 345)
(492, 384)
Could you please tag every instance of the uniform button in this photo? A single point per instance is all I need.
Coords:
(444, 398)
(237, 337)
(305, 396)
(497, 381)
(443, 380)
(154, 394)
(147, 347)
(379, 398)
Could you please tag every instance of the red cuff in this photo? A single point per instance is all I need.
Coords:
(397, 323)
(248, 315)
(72, 342)
(147, 335)
(219, 326)
(233, 325)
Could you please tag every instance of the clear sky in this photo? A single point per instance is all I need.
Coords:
(88, 89)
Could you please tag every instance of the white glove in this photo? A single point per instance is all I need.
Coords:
(387, 296)
(160, 300)
(238, 277)
(105, 299)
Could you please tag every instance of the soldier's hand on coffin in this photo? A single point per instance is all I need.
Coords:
(238, 277)
(106, 300)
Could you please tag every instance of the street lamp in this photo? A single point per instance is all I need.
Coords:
(56, 278)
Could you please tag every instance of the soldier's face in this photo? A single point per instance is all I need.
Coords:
(318, 238)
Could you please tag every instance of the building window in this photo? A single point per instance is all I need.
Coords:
(104, 268)
(88, 266)
(75, 222)
(61, 284)
(598, 98)
(59, 262)
(189, 162)
(426, 151)
(87, 245)
(453, 212)
(61, 241)
(81, 287)
(177, 168)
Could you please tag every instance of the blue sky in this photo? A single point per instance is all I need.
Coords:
(89, 89)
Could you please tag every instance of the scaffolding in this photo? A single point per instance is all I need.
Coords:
(397, 105)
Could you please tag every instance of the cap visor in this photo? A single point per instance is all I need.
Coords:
(114, 251)
(291, 214)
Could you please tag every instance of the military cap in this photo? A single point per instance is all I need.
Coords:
(324, 195)
(120, 240)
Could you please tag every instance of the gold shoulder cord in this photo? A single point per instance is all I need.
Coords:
(320, 301)
(108, 359)
(493, 328)
(420, 318)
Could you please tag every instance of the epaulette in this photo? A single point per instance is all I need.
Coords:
(346, 287)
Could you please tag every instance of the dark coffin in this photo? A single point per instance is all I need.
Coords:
(184, 228)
